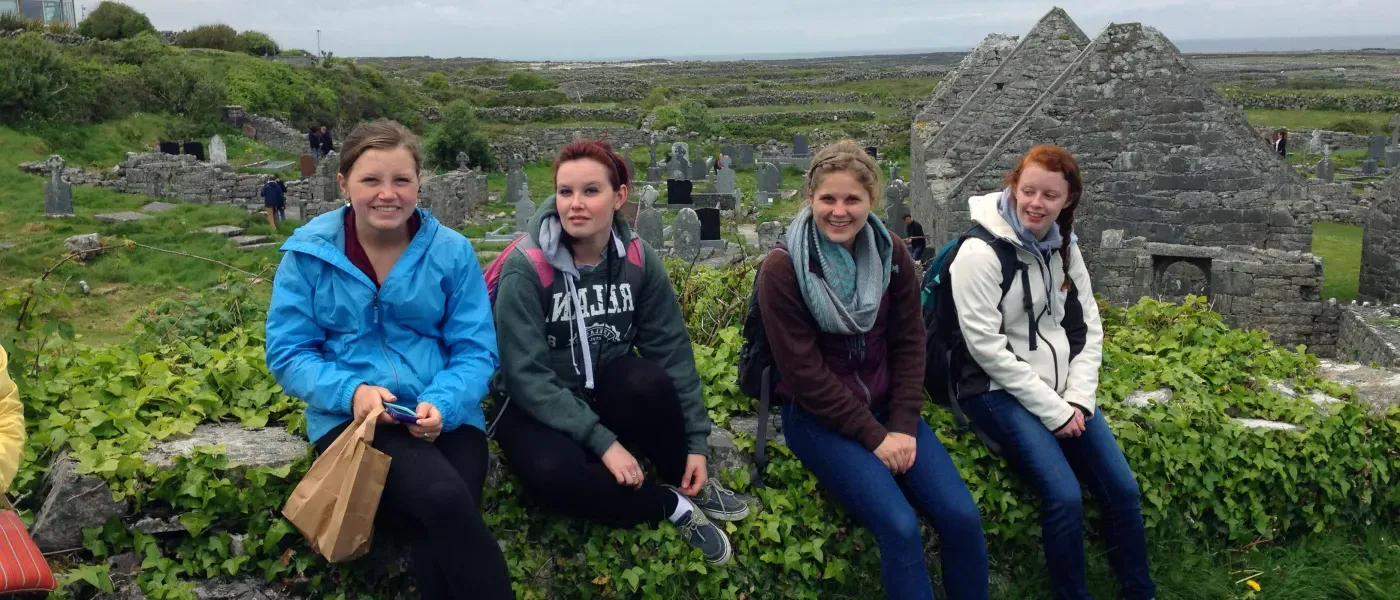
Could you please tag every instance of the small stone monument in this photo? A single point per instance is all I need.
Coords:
(651, 146)
(653, 174)
(769, 234)
(1395, 131)
(463, 161)
(728, 150)
(650, 227)
(307, 165)
(711, 234)
(1369, 167)
(58, 193)
(685, 235)
(171, 148)
(627, 160)
(769, 178)
(195, 149)
(1315, 144)
(218, 152)
(1375, 147)
(799, 146)
(700, 169)
(524, 211)
(1392, 158)
(678, 192)
(746, 159)
(895, 210)
(515, 179)
(1325, 168)
(724, 182)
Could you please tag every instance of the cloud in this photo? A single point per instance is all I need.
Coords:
(593, 29)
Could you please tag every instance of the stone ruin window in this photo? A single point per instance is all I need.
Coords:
(1176, 277)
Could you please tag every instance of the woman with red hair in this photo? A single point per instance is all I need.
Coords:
(597, 368)
(1029, 370)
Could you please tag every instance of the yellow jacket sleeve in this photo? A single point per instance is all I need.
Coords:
(11, 425)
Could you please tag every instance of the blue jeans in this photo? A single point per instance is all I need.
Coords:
(1055, 467)
(885, 503)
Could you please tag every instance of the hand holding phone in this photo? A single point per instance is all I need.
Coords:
(400, 413)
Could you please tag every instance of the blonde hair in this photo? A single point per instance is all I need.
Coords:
(383, 134)
(846, 156)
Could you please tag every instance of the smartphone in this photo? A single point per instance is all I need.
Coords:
(401, 413)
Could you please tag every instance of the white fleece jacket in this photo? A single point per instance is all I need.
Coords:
(1063, 370)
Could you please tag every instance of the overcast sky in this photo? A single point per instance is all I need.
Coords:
(614, 29)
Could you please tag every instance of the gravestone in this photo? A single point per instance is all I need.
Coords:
(710, 231)
(1315, 144)
(700, 169)
(463, 161)
(650, 227)
(728, 150)
(171, 148)
(58, 194)
(894, 173)
(628, 212)
(724, 183)
(1325, 169)
(307, 165)
(218, 152)
(685, 234)
(651, 146)
(1392, 158)
(769, 234)
(1375, 147)
(325, 188)
(1395, 131)
(895, 194)
(873, 152)
(678, 192)
(195, 149)
(769, 178)
(249, 131)
(680, 169)
(799, 145)
(680, 161)
(524, 211)
(653, 174)
(627, 160)
(1368, 167)
(515, 178)
(746, 155)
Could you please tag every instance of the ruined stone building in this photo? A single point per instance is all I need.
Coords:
(1181, 196)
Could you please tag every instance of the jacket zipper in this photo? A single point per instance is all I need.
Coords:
(864, 389)
(384, 348)
(1049, 300)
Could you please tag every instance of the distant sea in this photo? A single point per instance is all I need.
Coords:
(1278, 44)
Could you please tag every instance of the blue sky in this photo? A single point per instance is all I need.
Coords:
(612, 29)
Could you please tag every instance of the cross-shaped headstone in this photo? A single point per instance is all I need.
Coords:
(58, 194)
(1395, 131)
(462, 160)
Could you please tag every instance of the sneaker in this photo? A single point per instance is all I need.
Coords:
(710, 539)
(720, 504)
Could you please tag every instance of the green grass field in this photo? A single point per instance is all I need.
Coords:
(1312, 119)
(1340, 248)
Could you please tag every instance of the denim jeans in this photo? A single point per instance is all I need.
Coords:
(1054, 468)
(885, 503)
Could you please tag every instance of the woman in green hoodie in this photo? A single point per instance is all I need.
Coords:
(596, 366)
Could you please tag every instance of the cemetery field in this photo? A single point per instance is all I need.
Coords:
(1339, 246)
(125, 278)
(1314, 119)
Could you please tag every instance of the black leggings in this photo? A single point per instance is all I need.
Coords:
(431, 501)
(637, 401)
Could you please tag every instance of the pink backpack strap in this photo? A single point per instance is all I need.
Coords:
(542, 266)
(634, 252)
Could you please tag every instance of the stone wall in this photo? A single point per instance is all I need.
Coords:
(789, 98)
(1368, 334)
(804, 117)
(519, 114)
(1380, 246)
(453, 196)
(273, 132)
(1338, 203)
(1251, 288)
(1163, 155)
(1352, 102)
(533, 144)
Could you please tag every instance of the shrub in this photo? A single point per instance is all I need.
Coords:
(458, 132)
(697, 117)
(257, 43)
(1357, 126)
(184, 88)
(115, 21)
(657, 97)
(214, 37)
(436, 80)
(665, 116)
(32, 75)
(60, 28)
(524, 81)
(16, 22)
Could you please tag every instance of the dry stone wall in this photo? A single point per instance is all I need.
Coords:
(1380, 246)
(519, 114)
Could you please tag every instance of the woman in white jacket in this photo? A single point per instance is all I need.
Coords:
(1031, 369)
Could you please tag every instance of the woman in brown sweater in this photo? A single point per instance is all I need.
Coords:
(840, 305)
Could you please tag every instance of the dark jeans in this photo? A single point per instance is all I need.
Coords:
(885, 503)
(916, 252)
(636, 400)
(431, 501)
(1054, 467)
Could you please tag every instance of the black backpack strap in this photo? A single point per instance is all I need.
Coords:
(760, 448)
(1010, 265)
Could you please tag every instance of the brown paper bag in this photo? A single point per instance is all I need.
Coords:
(334, 505)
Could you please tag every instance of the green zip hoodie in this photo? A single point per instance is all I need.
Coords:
(543, 366)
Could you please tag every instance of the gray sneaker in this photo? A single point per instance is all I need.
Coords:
(710, 539)
(720, 504)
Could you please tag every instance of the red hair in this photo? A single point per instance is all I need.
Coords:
(1056, 160)
(600, 152)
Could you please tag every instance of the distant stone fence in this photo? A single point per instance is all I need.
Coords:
(786, 98)
(1353, 102)
(806, 117)
(520, 115)
(1337, 203)
(532, 144)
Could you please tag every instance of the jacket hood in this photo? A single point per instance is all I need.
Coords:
(549, 234)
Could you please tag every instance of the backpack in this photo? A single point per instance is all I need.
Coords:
(944, 345)
(525, 244)
(758, 376)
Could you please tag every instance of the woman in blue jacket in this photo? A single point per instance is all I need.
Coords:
(377, 303)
